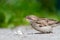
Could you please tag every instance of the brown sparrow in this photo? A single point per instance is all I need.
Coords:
(44, 25)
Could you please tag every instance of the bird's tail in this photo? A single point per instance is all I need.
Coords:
(56, 24)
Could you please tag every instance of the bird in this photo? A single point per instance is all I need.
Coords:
(43, 25)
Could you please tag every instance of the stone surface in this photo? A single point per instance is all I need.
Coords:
(27, 33)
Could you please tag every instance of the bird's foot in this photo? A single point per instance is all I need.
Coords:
(44, 33)
(47, 32)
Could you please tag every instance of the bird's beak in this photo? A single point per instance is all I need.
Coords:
(27, 19)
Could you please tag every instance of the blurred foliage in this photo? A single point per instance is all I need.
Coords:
(13, 12)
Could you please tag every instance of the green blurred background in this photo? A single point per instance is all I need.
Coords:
(13, 12)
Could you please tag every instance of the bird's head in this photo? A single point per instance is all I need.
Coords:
(31, 18)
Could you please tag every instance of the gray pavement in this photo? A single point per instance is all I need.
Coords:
(28, 34)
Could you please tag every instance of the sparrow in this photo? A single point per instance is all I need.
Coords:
(43, 25)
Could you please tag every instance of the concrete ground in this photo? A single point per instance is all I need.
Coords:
(28, 34)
